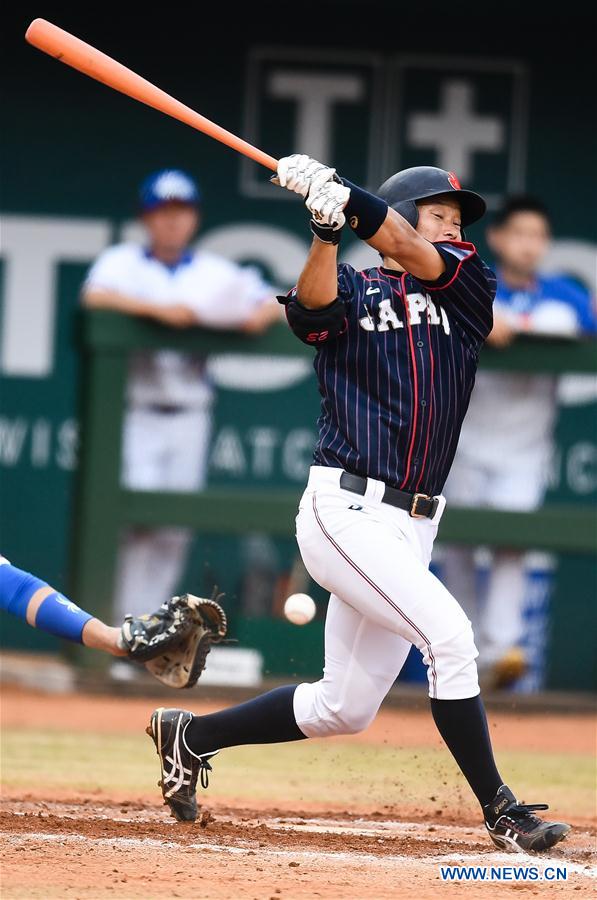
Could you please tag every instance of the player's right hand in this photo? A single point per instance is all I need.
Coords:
(176, 316)
(502, 333)
(302, 174)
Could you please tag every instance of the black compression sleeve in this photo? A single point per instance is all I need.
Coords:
(365, 213)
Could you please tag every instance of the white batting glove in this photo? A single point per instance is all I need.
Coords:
(327, 202)
(301, 174)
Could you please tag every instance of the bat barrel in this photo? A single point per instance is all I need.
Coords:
(92, 62)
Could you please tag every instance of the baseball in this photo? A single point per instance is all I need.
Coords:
(300, 609)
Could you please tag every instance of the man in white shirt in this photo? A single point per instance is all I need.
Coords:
(506, 442)
(168, 418)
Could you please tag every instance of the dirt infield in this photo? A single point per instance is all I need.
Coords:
(59, 842)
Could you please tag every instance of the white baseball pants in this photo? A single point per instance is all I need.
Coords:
(374, 559)
(519, 484)
(160, 452)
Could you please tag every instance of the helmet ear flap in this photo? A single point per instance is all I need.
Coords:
(408, 210)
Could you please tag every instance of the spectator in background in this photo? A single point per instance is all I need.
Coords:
(168, 420)
(506, 442)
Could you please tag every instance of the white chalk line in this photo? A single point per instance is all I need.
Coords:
(365, 828)
(486, 859)
(425, 831)
(359, 827)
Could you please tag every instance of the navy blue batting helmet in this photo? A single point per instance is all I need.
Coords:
(403, 189)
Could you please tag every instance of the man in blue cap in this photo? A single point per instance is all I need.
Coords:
(168, 418)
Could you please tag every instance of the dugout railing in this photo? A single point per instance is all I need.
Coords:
(104, 507)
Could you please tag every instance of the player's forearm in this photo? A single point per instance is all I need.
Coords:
(264, 316)
(399, 241)
(132, 306)
(99, 636)
(394, 235)
(29, 598)
(318, 282)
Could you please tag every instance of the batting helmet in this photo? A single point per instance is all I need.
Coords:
(403, 189)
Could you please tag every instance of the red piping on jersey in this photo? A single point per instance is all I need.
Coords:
(472, 251)
(430, 402)
(442, 287)
(387, 274)
(378, 590)
(416, 381)
(459, 244)
(378, 277)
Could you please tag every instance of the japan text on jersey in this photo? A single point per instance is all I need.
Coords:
(396, 383)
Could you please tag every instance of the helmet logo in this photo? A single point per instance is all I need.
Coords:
(454, 181)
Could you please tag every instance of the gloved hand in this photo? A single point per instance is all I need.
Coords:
(301, 173)
(173, 642)
(326, 203)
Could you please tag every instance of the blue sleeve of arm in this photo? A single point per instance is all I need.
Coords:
(586, 310)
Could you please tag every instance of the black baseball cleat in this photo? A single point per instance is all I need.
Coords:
(180, 767)
(513, 826)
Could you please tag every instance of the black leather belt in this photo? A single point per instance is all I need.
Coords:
(166, 409)
(419, 506)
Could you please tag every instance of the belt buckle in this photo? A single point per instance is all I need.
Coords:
(414, 503)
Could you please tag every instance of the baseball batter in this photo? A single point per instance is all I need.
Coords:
(396, 354)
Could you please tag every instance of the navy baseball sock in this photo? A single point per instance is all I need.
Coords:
(267, 719)
(463, 726)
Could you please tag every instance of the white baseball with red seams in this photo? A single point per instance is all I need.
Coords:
(374, 560)
(300, 609)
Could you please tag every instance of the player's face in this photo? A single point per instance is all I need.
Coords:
(521, 242)
(439, 219)
(172, 225)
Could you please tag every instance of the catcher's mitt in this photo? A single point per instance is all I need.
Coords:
(174, 642)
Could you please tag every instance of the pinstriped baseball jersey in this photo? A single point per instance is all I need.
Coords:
(396, 383)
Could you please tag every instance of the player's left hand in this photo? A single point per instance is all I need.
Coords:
(173, 642)
(301, 173)
(327, 202)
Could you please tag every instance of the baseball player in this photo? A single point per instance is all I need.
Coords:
(506, 444)
(396, 353)
(168, 419)
(171, 643)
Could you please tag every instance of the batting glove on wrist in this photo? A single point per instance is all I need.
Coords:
(302, 174)
(327, 234)
(327, 202)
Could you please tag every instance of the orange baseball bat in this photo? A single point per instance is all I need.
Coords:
(87, 59)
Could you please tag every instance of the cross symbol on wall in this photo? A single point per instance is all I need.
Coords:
(456, 131)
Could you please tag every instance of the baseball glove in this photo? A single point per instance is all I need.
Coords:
(173, 642)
